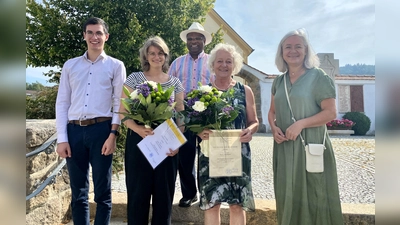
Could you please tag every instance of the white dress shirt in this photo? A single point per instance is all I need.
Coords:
(89, 89)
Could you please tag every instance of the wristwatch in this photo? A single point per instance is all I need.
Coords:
(115, 132)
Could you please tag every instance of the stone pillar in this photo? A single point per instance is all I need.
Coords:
(329, 64)
(51, 206)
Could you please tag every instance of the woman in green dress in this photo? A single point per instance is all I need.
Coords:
(302, 198)
(224, 61)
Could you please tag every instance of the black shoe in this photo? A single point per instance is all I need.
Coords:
(185, 202)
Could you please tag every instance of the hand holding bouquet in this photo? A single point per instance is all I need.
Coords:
(148, 104)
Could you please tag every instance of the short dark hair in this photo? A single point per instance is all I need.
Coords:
(94, 21)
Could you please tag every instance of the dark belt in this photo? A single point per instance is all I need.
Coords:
(90, 121)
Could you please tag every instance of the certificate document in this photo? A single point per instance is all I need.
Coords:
(166, 136)
(225, 153)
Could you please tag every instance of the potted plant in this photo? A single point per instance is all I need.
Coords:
(340, 124)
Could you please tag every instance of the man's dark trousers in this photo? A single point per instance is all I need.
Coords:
(187, 174)
(86, 143)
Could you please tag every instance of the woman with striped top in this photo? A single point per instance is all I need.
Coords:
(142, 181)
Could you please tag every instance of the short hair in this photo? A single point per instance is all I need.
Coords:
(159, 43)
(237, 58)
(311, 59)
(94, 21)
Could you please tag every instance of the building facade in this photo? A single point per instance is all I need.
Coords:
(354, 92)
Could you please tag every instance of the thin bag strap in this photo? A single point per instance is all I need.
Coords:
(294, 120)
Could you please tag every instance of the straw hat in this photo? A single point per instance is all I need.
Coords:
(196, 28)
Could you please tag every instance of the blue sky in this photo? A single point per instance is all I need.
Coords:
(345, 28)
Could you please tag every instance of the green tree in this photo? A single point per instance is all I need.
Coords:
(35, 86)
(217, 37)
(42, 106)
(54, 35)
(54, 28)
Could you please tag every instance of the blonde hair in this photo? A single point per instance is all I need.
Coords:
(237, 58)
(311, 59)
(159, 43)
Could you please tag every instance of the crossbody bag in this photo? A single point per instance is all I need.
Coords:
(314, 152)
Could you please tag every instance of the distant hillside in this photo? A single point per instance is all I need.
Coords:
(357, 69)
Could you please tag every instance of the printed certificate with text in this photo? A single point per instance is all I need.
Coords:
(225, 153)
(166, 136)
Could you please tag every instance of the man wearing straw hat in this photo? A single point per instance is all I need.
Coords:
(191, 69)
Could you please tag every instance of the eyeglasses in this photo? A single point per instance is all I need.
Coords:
(160, 54)
(196, 38)
(98, 33)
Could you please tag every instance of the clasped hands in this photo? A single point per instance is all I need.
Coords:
(291, 133)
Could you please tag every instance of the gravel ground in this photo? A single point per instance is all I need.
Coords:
(355, 159)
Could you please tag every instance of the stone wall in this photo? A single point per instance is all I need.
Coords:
(51, 206)
(253, 82)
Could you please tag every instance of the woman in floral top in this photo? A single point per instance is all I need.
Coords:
(237, 191)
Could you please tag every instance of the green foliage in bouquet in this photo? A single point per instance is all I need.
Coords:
(149, 104)
(206, 107)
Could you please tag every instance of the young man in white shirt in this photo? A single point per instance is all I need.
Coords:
(87, 123)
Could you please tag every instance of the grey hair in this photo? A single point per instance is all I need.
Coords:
(237, 58)
(159, 43)
(311, 59)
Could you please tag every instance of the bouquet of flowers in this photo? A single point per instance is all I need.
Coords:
(206, 107)
(149, 104)
(342, 124)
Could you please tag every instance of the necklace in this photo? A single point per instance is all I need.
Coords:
(223, 89)
(300, 72)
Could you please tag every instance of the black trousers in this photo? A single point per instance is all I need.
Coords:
(187, 174)
(143, 183)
